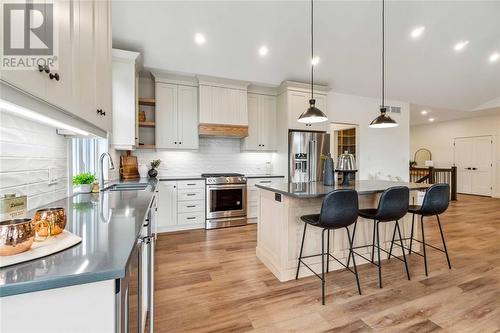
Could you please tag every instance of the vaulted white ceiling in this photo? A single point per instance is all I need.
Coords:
(426, 71)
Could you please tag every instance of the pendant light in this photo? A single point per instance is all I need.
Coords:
(383, 121)
(312, 114)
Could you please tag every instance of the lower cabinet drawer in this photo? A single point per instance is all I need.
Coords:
(191, 218)
(191, 206)
(191, 195)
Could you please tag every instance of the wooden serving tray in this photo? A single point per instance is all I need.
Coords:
(49, 246)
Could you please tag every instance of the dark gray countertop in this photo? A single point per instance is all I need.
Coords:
(318, 190)
(109, 224)
(264, 176)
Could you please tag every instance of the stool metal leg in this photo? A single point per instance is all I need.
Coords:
(402, 249)
(328, 251)
(444, 243)
(352, 245)
(351, 253)
(301, 248)
(392, 241)
(373, 240)
(379, 261)
(323, 267)
(423, 243)
(411, 234)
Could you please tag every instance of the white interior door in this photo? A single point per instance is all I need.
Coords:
(473, 159)
(482, 166)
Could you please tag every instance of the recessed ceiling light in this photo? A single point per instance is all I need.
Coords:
(460, 45)
(494, 57)
(431, 120)
(424, 112)
(263, 50)
(417, 32)
(315, 61)
(199, 38)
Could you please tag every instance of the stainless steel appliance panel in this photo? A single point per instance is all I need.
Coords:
(226, 201)
(304, 155)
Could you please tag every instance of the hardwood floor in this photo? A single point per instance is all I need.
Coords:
(211, 281)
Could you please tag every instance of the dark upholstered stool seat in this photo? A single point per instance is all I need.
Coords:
(368, 213)
(312, 219)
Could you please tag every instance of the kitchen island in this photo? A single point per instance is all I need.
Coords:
(279, 229)
(81, 288)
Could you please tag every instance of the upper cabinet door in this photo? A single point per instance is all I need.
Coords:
(187, 113)
(252, 141)
(103, 66)
(267, 124)
(166, 116)
(84, 61)
(60, 81)
(298, 102)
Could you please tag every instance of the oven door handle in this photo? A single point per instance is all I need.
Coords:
(229, 186)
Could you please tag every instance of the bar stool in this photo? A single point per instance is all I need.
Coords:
(338, 210)
(393, 205)
(436, 201)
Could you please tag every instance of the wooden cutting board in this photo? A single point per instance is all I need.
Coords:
(129, 168)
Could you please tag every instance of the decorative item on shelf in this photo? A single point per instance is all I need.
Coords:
(312, 114)
(142, 116)
(83, 182)
(329, 178)
(346, 164)
(16, 236)
(383, 120)
(153, 172)
(49, 222)
(95, 187)
(12, 207)
(143, 170)
(129, 167)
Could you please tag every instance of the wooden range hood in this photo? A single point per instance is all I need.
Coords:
(220, 130)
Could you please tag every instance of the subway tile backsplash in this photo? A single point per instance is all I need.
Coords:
(214, 155)
(27, 150)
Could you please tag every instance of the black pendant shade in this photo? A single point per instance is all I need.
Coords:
(312, 114)
(383, 121)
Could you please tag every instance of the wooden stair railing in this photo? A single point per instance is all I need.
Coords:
(433, 175)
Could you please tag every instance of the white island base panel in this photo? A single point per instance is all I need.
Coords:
(279, 235)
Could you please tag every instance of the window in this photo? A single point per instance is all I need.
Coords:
(85, 154)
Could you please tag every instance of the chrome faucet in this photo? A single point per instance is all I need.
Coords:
(101, 168)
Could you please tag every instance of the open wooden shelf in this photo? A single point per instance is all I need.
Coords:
(146, 147)
(147, 101)
(147, 124)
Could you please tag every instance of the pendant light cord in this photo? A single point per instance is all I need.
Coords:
(383, 53)
(312, 50)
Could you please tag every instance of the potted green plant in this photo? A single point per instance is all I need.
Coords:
(153, 172)
(83, 182)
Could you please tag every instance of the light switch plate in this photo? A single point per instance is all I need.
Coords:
(53, 176)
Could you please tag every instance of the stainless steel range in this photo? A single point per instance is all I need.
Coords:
(226, 200)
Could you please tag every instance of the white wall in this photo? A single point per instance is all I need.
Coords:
(381, 153)
(214, 155)
(438, 138)
(27, 151)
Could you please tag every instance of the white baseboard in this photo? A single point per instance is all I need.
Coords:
(496, 195)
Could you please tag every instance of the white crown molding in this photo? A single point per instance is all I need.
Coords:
(302, 87)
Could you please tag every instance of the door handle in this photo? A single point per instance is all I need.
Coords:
(54, 76)
(474, 168)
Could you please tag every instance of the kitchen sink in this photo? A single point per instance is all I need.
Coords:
(126, 187)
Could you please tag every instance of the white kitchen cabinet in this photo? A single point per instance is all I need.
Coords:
(220, 105)
(176, 116)
(167, 205)
(125, 99)
(103, 65)
(181, 205)
(75, 83)
(253, 193)
(261, 123)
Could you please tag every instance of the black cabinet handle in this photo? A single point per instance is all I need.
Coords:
(191, 206)
(54, 76)
(45, 68)
(474, 168)
(190, 218)
(175, 142)
(190, 184)
(180, 142)
(190, 194)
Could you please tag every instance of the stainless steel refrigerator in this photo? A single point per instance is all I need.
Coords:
(304, 155)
